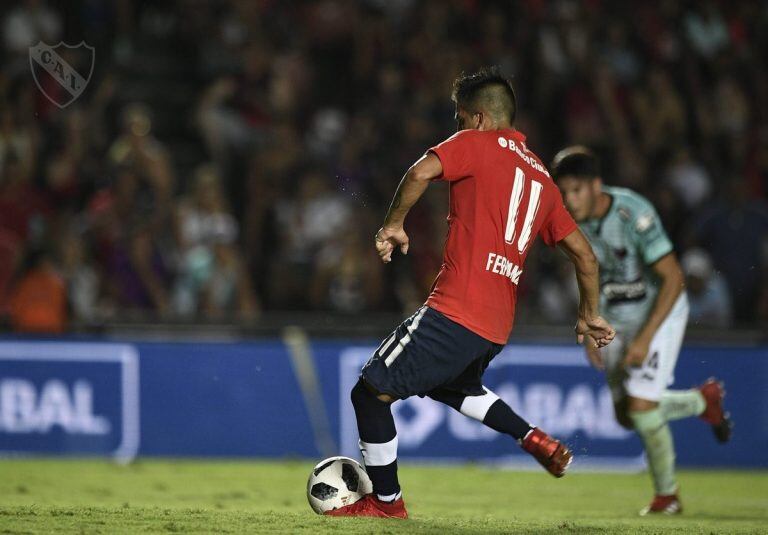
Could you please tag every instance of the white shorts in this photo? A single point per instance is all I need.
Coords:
(658, 370)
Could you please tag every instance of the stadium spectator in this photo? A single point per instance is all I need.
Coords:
(23, 207)
(689, 179)
(138, 148)
(203, 218)
(212, 278)
(81, 278)
(10, 254)
(307, 226)
(38, 299)
(347, 279)
(708, 297)
(705, 29)
(28, 23)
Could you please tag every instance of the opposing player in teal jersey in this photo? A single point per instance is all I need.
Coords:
(643, 296)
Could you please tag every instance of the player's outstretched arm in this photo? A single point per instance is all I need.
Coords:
(671, 285)
(411, 188)
(589, 322)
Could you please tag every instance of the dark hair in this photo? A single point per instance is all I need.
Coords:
(577, 161)
(487, 88)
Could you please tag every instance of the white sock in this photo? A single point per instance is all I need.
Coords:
(391, 498)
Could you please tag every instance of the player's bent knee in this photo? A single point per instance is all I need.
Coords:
(621, 410)
(363, 390)
(625, 421)
(640, 405)
(452, 399)
(358, 392)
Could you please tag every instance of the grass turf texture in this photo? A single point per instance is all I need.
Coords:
(46, 496)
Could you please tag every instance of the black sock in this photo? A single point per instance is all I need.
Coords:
(378, 438)
(385, 484)
(500, 417)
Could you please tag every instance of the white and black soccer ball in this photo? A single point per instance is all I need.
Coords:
(336, 482)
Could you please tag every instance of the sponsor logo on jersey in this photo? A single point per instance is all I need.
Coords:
(520, 149)
(624, 213)
(620, 292)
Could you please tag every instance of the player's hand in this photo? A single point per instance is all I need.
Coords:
(593, 353)
(389, 238)
(596, 327)
(637, 351)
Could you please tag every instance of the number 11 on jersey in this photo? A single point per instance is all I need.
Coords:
(514, 206)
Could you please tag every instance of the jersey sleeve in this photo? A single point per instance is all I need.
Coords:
(649, 235)
(456, 154)
(558, 224)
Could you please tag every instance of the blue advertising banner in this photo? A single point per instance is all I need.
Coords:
(223, 400)
(244, 399)
(69, 398)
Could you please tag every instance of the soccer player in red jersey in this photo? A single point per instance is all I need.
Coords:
(501, 198)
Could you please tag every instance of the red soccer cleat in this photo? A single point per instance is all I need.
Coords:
(370, 505)
(665, 505)
(714, 392)
(551, 453)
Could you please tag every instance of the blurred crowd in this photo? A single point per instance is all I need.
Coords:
(232, 158)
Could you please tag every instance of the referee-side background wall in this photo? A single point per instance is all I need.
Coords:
(273, 398)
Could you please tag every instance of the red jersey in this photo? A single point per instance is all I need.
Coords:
(501, 197)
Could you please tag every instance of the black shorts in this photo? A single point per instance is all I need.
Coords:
(426, 352)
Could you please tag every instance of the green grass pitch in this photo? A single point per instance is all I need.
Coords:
(160, 496)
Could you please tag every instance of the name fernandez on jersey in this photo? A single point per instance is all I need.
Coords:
(503, 266)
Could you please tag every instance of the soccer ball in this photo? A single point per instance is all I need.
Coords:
(336, 482)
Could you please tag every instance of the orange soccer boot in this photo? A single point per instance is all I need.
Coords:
(369, 505)
(551, 453)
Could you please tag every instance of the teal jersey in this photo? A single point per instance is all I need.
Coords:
(627, 240)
